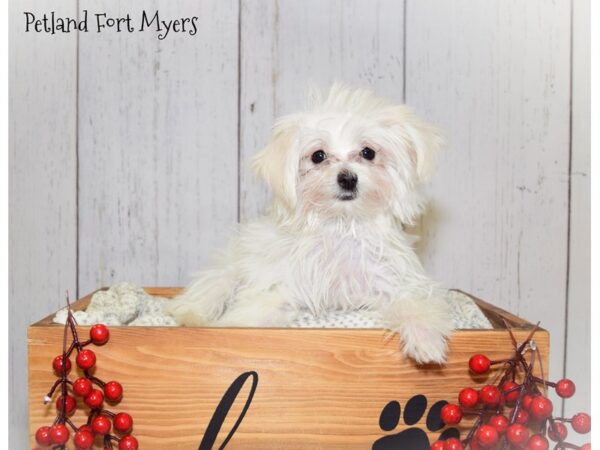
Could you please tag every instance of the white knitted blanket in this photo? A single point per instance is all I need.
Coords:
(126, 304)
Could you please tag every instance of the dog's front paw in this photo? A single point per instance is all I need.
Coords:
(186, 314)
(424, 343)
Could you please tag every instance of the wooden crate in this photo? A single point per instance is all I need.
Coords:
(314, 388)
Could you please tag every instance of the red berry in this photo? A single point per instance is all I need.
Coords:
(511, 391)
(101, 425)
(565, 388)
(70, 404)
(99, 334)
(42, 436)
(58, 366)
(581, 423)
(537, 442)
(499, 422)
(522, 416)
(586, 447)
(517, 434)
(475, 445)
(468, 397)
(82, 387)
(83, 440)
(486, 436)
(479, 364)
(94, 399)
(561, 431)
(128, 443)
(540, 407)
(453, 444)
(438, 445)
(123, 422)
(86, 359)
(87, 428)
(490, 396)
(113, 391)
(527, 401)
(451, 414)
(59, 434)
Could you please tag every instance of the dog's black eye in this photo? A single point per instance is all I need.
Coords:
(318, 157)
(368, 153)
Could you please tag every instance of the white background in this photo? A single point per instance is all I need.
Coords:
(128, 155)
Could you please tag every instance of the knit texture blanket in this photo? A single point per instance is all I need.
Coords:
(127, 304)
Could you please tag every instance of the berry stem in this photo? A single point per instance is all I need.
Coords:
(107, 413)
(107, 442)
(501, 361)
(544, 382)
(467, 440)
(527, 339)
(51, 391)
(94, 379)
(74, 332)
(71, 424)
(64, 382)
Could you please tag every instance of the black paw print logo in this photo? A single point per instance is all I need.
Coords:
(411, 438)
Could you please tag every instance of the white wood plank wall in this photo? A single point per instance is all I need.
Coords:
(129, 155)
(158, 151)
(578, 346)
(498, 223)
(42, 187)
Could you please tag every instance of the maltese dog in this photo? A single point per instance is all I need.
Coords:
(345, 177)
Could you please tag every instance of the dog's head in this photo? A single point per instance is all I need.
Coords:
(352, 155)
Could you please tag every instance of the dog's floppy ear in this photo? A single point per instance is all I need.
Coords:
(277, 163)
(418, 144)
(423, 140)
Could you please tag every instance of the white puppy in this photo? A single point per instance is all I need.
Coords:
(345, 178)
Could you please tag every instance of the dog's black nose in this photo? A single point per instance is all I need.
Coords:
(347, 180)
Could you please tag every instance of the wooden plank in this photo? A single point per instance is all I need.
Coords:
(495, 76)
(578, 358)
(316, 388)
(288, 46)
(158, 144)
(42, 220)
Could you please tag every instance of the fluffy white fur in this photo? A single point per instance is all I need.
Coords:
(324, 248)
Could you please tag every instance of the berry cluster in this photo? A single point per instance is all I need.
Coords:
(514, 411)
(100, 422)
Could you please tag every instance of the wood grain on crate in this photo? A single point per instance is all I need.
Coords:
(318, 388)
